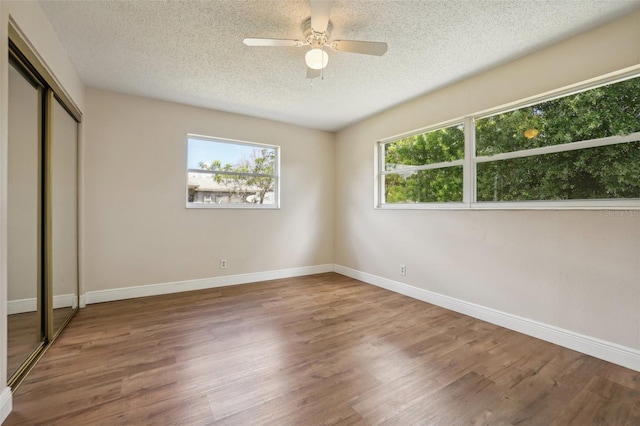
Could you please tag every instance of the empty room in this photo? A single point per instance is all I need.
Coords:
(320, 212)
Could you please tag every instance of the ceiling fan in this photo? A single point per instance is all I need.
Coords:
(317, 33)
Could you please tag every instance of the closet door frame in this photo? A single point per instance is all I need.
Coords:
(18, 64)
(28, 61)
(19, 43)
(49, 192)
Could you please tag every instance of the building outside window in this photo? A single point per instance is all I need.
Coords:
(225, 173)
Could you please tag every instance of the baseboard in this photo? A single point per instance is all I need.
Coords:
(31, 305)
(21, 305)
(611, 352)
(100, 296)
(6, 404)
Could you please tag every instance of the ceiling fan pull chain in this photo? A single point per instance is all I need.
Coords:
(322, 69)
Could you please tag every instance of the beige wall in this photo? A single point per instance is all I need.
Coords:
(578, 270)
(137, 229)
(4, 149)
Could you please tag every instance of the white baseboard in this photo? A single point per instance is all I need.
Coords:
(31, 305)
(100, 296)
(6, 404)
(21, 305)
(612, 352)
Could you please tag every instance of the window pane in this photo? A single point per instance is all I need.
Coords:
(225, 172)
(597, 113)
(213, 188)
(226, 153)
(604, 172)
(437, 146)
(424, 186)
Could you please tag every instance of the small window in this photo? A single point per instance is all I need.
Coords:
(225, 173)
(423, 168)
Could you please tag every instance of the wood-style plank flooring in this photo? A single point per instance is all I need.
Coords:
(323, 349)
(24, 335)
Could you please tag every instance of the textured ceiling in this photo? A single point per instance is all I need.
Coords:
(191, 52)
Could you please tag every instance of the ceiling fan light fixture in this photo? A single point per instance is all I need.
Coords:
(316, 59)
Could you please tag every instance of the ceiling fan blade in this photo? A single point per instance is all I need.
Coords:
(320, 10)
(366, 47)
(271, 42)
(311, 73)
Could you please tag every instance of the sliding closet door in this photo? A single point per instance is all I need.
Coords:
(42, 208)
(62, 212)
(24, 216)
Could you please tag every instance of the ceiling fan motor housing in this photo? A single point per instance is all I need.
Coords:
(316, 39)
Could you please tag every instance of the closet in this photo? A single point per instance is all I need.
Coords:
(42, 209)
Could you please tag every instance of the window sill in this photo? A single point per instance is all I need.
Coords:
(622, 207)
(232, 206)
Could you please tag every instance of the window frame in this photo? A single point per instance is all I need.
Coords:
(381, 172)
(276, 175)
(471, 161)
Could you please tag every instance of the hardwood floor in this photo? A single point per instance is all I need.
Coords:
(24, 335)
(323, 349)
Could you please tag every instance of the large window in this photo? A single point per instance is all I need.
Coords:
(225, 173)
(581, 149)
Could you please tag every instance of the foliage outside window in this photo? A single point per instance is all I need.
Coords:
(424, 168)
(580, 147)
(581, 169)
(224, 173)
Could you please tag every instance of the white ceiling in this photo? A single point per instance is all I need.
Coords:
(191, 52)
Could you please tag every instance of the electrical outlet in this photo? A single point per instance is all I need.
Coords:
(223, 263)
(403, 270)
